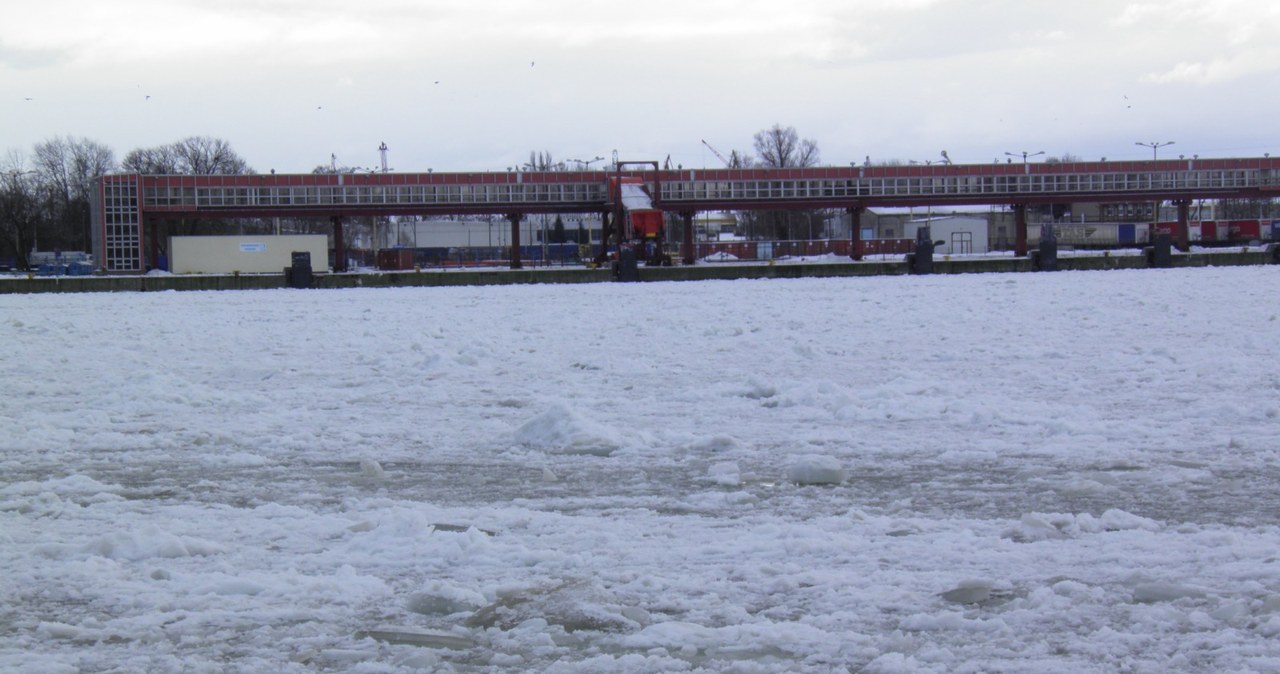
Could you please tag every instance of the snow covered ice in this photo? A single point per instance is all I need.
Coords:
(1020, 473)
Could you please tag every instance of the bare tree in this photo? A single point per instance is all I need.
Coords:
(1066, 158)
(542, 161)
(23, 208)
(780, 147)
(1246, 209)
(160, 160)
(68, 169)
(196, 155)
(202, 155)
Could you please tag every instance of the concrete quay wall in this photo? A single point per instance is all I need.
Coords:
(698, 272)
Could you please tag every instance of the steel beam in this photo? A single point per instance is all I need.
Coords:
(515, 239)
(687, 244)
(855, 232)
(1183, 235)
(339, 245)
(1020, 230)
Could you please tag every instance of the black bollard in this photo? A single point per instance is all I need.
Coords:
(299, 275)
(1046, 258)
(1160, 254)
(921, 261)
(626, 269)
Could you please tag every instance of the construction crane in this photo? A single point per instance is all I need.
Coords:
(719, 156)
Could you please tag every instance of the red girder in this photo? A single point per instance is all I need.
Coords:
(591, 194)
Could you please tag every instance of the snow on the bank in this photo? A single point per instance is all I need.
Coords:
(1031, 473)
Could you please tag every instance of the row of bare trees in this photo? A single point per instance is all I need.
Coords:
(46, 196)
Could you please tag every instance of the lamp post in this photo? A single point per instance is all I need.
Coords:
(1155, 147)
(1024, 154)
(586, 163)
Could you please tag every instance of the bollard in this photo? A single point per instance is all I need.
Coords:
(921, 261)
(1046, 258)
(299, 275)
(626, 269)
(1160, 254)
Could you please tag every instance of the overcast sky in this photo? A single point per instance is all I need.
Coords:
(478, 84)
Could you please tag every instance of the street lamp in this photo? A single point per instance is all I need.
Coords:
(1155, 147)
(1025, 155)
(586, 163)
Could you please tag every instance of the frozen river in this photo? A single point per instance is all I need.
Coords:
(1021, 473)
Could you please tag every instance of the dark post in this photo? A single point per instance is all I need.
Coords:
(1184, 214)
(606, 231)
(1160, 254)
(1046, 259)
(687, 244)
(855, 232)
(1020, 230)
(515, 239)
(626, 269)
(298, 274)
(339, 246)
(153, 233)
(921, 261)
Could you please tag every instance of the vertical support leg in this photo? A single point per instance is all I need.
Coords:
(855, 232)
(606, 232)
(1020, 230)
(687, 244)
(339, 245)
(1184, 215)
(153, 244)
(515, 239)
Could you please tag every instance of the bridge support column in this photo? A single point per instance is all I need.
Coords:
(152, 233)
(339, 245)
(855, 232)
(606, 232)
(1183, 234)
(515, 219)
(686, 246)
(1020, 230)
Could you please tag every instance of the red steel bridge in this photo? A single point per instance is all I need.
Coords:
(132, 210)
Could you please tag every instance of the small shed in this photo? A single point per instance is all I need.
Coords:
(959, 234)
(245, 254)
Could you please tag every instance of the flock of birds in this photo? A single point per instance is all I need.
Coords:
(147, 97)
